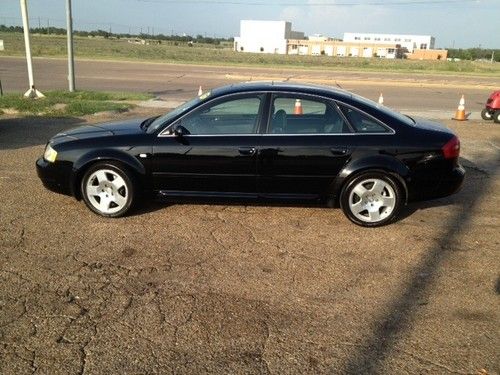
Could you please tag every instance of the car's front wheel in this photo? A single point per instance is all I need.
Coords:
(486, 114)
(108, 190)
(371, 199)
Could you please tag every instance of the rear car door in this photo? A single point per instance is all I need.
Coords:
(307, 142)
(219, 152)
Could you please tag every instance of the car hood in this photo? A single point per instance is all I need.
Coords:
(104, 129)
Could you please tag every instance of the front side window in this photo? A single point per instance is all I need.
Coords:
(362, 123)
(305, 115)
(230, 116)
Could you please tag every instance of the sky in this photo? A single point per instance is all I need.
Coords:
(454, 23)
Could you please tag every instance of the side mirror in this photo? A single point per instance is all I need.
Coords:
(180, 131)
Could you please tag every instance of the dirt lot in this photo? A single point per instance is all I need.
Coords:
(205, 287)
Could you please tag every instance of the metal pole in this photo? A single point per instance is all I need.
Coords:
(71, 60)
(26, 28)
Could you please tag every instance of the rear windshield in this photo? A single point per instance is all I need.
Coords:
(390, 112)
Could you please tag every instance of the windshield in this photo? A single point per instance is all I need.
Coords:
(403, 118)
(172, 114)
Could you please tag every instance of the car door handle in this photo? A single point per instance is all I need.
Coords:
(247, 150)
(339, 151)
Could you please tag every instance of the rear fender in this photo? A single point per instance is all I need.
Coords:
(92, 157)
(383, 163)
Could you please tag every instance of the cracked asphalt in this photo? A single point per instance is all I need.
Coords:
(189, 287)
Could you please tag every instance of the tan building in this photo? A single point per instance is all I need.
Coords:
(428, 54)
(342, 49)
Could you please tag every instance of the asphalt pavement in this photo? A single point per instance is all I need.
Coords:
(407, 92)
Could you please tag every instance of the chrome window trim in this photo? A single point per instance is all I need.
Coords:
(335, 101)
(275, 135)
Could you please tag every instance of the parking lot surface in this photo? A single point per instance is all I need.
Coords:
(191, 287)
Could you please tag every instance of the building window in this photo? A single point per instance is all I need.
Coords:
(391, 50)
(397, 40)
(367, 38)
(387, 39)
(423, 46)
(407, 40)
(242, 49)
(357, 38)
(261, 49)
(378, 39)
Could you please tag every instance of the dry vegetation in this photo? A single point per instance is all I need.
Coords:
(100, 48)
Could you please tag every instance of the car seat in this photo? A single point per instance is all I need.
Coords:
(333, 121)
(278, 122)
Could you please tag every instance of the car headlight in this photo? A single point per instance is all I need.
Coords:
(50, 154)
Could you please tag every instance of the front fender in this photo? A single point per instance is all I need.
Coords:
(381, 162)
(91, 157)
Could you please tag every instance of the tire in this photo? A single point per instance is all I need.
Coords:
(486, 114)
(496, 116)
(108, 189)
(371, 199)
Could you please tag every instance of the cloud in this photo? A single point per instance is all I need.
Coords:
(335, 20)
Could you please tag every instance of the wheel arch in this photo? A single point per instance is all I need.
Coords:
(380, 163)
(123, 159)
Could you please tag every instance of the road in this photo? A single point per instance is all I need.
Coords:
(406, 92)
(209, 287)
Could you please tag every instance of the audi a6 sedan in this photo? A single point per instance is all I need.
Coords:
(260, 140)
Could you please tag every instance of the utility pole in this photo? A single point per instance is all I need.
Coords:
(48, 26)
(32, 91)
(492, 56)
(71, 59)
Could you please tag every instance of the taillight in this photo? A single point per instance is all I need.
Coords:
(451, 149)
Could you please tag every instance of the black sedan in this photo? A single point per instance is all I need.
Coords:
(260, 140)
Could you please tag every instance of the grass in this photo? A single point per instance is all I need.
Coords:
(65, 104)
(119, 49)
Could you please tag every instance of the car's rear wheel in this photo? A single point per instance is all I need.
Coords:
(371, 199)
(108, 190)
(496, 116)
(486, 114)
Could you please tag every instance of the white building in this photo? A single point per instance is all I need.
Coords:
(265, 36)
(411, 42)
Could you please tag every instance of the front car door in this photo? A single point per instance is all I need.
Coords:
(218, 153)
(307, 142)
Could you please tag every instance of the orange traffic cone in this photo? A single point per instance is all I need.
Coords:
(298, 107)
(200, 91)
(381, 99)
(460, 114)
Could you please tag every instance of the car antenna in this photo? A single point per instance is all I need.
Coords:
(338, 85)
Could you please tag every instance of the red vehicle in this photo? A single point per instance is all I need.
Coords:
(492, 110)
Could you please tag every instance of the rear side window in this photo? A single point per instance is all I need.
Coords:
(361, 122)
(302, 114)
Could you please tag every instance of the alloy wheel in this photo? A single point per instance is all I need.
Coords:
(107, 191)
(372, 200)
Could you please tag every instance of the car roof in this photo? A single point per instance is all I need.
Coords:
(282, 86)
